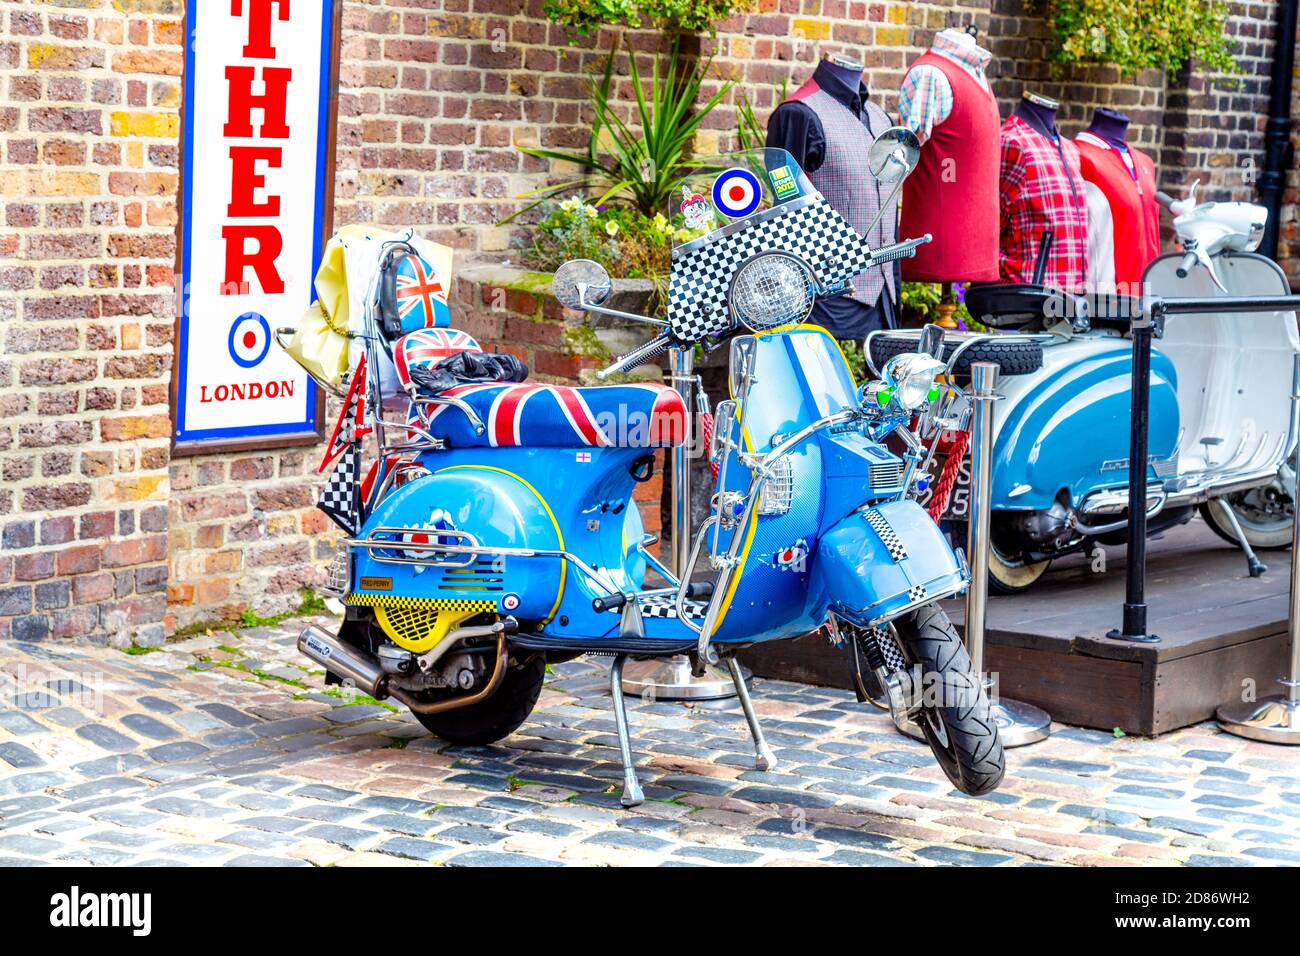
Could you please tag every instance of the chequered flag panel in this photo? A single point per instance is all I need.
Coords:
(665, 605)
(341, 496)
(887, 535)
(697, 288)
(916, 592)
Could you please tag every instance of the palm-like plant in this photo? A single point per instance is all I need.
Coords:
(644, 162)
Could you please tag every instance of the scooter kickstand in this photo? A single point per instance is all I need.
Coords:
(1255, 566)
(764, 759)
(633, 796)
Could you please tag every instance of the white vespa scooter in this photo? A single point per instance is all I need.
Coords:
(1243, 363)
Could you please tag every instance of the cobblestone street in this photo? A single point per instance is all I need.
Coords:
(222, 750)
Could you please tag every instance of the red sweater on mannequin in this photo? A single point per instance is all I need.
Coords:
(1131, 192)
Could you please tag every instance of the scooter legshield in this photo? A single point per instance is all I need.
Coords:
(882, 561)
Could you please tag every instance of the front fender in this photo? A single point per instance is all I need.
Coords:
(879, 562)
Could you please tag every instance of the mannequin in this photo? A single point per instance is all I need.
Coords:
(1041, 189)
(947, 101)
(1126, 178)
(828, 126)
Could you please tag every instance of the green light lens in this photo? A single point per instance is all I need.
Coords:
(884, 396)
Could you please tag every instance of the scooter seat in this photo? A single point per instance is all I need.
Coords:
(530, 414)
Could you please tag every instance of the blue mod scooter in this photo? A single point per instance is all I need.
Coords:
(503, 534)
(1222, 426)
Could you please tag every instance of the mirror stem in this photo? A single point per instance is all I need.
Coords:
(892, 200)
(615, 313)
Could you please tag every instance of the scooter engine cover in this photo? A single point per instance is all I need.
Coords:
(881, 561)
(481, 505)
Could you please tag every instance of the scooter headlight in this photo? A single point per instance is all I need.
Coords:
(910, 377)
(771, 290)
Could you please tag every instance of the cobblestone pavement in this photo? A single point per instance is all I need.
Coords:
(223, 750)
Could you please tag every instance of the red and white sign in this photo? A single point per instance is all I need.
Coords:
(257, 89)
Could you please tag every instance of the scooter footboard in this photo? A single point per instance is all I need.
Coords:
(883, 561)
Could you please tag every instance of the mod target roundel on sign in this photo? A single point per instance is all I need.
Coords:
(250, 339)
(737, 193)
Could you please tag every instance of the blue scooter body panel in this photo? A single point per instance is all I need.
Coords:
(1070, 428)
(543, 498)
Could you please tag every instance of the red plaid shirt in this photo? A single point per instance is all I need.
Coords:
(1042, 188)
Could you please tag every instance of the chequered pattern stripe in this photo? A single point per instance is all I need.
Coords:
(665, 605)
(887, 536)
(916, 592)
(421, 603)
(697, 289)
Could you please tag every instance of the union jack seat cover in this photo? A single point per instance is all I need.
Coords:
(636, 415)
(421, 298)
(428, 347)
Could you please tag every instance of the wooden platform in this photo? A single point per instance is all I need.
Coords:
(1218, 627)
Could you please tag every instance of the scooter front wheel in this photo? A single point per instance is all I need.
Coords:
(954, 712)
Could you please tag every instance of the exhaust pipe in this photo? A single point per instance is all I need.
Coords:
(345, 662)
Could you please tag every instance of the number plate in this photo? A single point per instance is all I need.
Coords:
(959, 500)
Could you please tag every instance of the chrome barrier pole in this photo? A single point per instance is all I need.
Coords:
(1276, 719)
(1018, 723)
(672, 679)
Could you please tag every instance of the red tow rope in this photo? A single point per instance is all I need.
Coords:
(943, 489)
(706, 435)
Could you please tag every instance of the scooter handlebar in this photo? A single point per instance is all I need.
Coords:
(640, 355)
(899, 250)
(1165, 199)
(1185, 267)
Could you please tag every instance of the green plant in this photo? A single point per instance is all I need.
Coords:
(583, 16)
(621, 238)
(919, 302)
(856, 358)
(642, 165)
(1142, 34)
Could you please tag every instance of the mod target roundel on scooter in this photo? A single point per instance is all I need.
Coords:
(737, 193)
(250, 339)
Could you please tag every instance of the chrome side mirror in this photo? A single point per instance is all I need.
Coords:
(724, 421)
(581, 283)
(894, 154)
(740, 365)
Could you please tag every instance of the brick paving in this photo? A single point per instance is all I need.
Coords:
(225, 750)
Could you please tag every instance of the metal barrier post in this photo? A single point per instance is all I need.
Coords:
(672, 679)
(1134, 625)
(1276, 719)
(1018, 723)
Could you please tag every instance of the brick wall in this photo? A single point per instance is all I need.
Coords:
(88, 117)
(101, 536)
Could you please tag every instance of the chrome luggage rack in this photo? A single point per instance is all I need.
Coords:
(440, 554)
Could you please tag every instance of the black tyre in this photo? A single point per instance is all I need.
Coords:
(1013, 358)
(955, 715)
(501, 714)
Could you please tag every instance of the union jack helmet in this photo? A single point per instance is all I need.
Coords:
(421, 299)
(428, 347)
